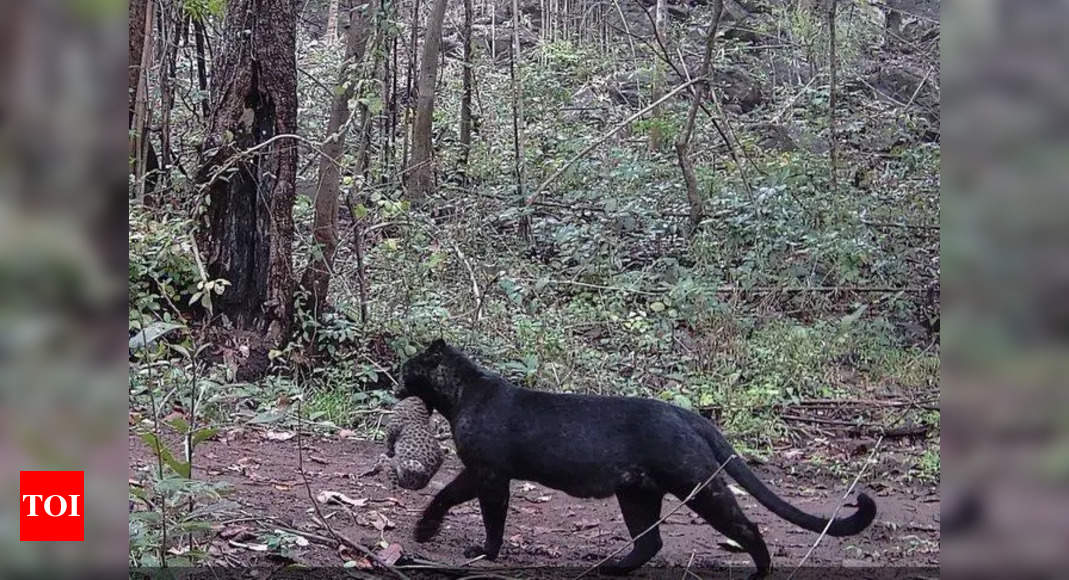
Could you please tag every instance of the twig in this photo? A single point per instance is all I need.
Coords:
(690, 496)
(920, 86)
(842, 500)
(542, 186)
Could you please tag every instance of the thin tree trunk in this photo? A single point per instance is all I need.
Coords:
(168, 27)
(465, 98)
(391, 137)
(656, 132)
(202, 69)
(249, 171)
(410, 83)
(419, 174)
(143, 153)
(316, 278)
(517, 114)
(697, 210)
(833, 72)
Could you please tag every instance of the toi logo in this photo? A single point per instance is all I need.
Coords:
(51, 506)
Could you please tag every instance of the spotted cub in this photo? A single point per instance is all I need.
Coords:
(411, 448)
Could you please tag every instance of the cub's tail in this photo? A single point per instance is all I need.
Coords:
(737, 468)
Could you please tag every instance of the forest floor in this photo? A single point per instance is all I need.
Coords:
(268, 507)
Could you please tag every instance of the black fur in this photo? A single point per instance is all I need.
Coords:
(589, 446)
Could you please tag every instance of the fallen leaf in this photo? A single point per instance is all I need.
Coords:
(380, 522)
(280, 435)
(233, 532)
(346, 434)
(301, 541)
(319, 460)
(391, 554)
(586, 524)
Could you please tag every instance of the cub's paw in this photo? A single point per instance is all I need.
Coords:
(426, 529)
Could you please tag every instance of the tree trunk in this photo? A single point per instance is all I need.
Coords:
(247, 232)
(316, 278)
(136, 44)
(833, 73)
(697, 209)
(420, 172)
(410, 83)
(168, 26)
(141, 150)
(656, 130)
(465, 98)
(517, 115)
(202, 69)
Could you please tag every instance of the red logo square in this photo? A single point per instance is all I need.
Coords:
(51, 506)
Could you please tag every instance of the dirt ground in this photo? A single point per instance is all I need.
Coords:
(544, 527)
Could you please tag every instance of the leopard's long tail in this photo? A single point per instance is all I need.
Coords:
(737, 468)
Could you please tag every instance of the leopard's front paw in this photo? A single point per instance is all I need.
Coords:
(426, 529)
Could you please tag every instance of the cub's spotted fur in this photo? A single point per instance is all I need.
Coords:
(412, 451)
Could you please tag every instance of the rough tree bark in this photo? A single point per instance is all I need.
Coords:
(419, 175)
(249, 168)
(316, 278)
(697, 210)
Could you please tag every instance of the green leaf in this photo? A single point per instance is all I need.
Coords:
(855, 315)
(657, 306)
(361, 211)
(179, 424)
(152, 333)
(165, 454)
(204, 434)
(267, 417)
(180, 467)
